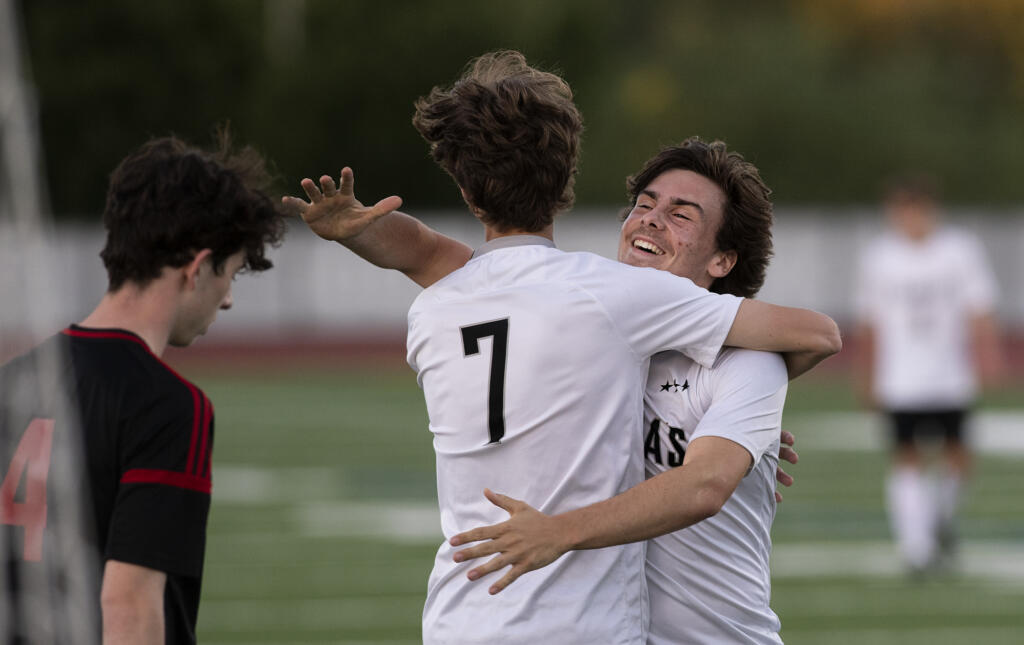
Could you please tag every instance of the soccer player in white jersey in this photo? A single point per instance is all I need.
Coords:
(925, 301)
(532, 360)
(711, 433)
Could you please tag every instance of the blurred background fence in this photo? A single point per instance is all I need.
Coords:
(319, 291)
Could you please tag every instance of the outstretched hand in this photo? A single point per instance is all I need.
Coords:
(786, 453)
(528, 540)
(333, 212)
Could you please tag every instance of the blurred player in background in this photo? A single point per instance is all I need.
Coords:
(569, 338)
(927, 330)
(181, 223)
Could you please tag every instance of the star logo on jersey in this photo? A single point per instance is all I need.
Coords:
(674, 386)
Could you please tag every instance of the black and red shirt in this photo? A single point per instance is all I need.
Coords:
(147, 437)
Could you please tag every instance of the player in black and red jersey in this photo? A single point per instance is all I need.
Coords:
(181, 223)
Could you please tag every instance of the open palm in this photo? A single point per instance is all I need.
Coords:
(333, 212)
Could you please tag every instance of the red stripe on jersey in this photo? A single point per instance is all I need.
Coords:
(167, 478)
(204, 457)
(123, 335)
(82, 333)
(189, 465)
(196, 407)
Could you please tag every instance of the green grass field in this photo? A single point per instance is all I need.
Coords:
(324, 526)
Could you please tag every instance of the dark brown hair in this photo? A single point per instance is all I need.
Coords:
(912, 188)
(746, 215)
(168, 200)
(509, 135)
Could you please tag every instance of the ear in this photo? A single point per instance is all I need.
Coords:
(721, 263)
(192, 270)
(473, 209)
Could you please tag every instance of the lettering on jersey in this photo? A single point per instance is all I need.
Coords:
(652, 444)
(31, 458)
(676, 449)
(674, 386)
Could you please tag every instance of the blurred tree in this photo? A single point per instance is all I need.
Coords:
(826, 96)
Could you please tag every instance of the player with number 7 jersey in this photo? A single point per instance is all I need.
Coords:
(537, 407)
(532, 359)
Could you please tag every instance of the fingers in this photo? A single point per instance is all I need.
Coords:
(327, 184)
(494, 564)
(499, 561)
(502, 501)
(348, 182)
(787, 438)
(384, 206)
(312, 191)
(778, 497)
(506, 580)
(294, 205)
(783, 477)
(477, 534)
(788, 454)
(489, 547)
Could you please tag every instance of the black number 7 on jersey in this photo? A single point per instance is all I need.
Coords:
(471, 335)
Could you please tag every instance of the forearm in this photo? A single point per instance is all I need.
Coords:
(810, 335)
(129, 623)
(401, 242)
(132, 605)
(668, 502)
(985, 346)
(798, 363)
(864, 364)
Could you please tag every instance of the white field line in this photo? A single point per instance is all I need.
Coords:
(403, 522)
(1001, 562)
(997, 433)
(994, 433)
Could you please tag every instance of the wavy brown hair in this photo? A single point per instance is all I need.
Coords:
(168, 200)
(746, 215)
(509, 134)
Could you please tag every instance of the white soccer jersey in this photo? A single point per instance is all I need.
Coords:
(710, 583)
(919, 298)
(532, 362)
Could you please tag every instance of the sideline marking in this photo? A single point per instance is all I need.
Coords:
(998, 433)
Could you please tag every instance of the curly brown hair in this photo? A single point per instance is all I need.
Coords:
(746, 215)
(509, 134)
(169, 200)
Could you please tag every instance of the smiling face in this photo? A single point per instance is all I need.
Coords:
(673, 227)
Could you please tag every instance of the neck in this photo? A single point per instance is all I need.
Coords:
(493, 234)
(148, 312)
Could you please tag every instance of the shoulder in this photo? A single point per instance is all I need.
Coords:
(958, 240)
(122, 371)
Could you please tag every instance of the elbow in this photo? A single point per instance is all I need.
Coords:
(829, 342)
(709, 501)
(834, 340)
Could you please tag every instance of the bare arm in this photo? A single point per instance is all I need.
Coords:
(804, 337)
(864, 364)
(670, 501)
(985, 347)
(132, 601)
(379, 234)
